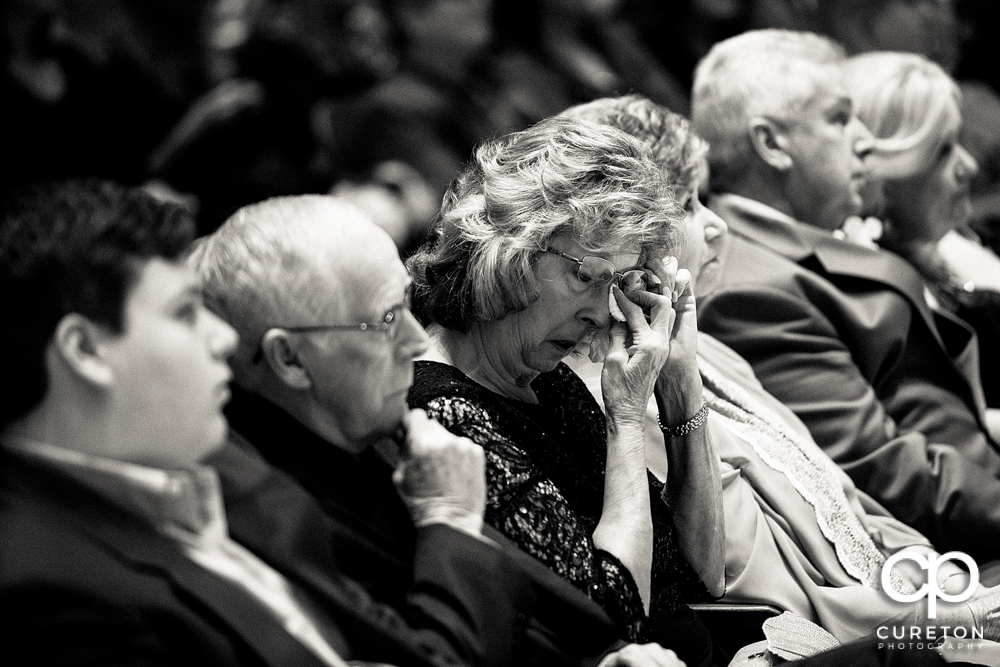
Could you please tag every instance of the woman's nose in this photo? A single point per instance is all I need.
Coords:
(715, 227)
(862, 139)
(966, 167)
(596, 313)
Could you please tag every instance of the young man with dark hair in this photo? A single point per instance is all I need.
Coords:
(115, 544)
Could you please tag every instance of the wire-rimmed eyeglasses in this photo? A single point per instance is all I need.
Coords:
(598, 272)
(388, 325)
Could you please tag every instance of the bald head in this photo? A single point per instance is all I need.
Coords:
(288, 261)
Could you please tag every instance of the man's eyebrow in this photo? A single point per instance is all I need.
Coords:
(190, 291)
(843, 103)
(403, 297)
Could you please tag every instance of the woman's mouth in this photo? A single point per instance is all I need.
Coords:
(565, 346)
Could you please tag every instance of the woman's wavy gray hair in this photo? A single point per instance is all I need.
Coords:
(562, 176)
(670, 137)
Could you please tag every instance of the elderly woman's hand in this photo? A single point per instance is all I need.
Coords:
(675, 283)
(638, 351)
(642, 655)
(679, 388)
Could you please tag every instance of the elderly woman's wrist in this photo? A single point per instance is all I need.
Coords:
(682, 429)
(679, 399)
(626, 408)
(626, 425)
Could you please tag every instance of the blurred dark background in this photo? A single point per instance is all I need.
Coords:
(219, 103)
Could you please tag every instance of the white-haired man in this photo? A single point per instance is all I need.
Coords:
(115, 545)
(318, 293)
(839, 332)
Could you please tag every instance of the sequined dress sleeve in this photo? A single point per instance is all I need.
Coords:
(545, 481)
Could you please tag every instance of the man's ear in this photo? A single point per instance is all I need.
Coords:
(78, 341)
(283, 359)
(770, 143)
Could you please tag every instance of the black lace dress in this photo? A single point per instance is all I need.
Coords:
(545, 477)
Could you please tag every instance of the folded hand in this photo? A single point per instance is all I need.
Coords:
(441, 477)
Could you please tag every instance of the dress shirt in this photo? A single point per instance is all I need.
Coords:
(186, 505)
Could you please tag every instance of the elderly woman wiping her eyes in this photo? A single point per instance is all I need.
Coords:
(799, 535)
(532, 239)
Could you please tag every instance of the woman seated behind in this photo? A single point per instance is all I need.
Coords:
(534, 238)
(799, 535)
(920, 189)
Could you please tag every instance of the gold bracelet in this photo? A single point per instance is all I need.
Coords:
(692, 424)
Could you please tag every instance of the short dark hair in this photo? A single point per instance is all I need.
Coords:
(72, 247)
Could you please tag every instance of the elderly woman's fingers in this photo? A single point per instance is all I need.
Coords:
(647, 302)
(665, 271)
(631, 308)
(684, 301)
(682, 284)
(657, 305)
(617, 353)
(654, 279)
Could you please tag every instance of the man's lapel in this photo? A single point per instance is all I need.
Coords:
(138, 544)
(842, 259)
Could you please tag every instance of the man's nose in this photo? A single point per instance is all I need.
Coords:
(414, 341)
(222, 338)
(862, 138)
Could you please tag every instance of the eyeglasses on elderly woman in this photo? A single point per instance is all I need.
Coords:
(599, 272)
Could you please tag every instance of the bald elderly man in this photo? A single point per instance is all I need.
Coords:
(318, 295)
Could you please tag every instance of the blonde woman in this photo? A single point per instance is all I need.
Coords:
(920, 187)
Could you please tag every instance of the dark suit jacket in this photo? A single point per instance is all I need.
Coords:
(842, 335)
(84, 583)
(463, 604)
(375, 543)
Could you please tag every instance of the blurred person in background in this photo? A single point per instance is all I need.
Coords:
(838, 332)
(921, 190)
(420, 115)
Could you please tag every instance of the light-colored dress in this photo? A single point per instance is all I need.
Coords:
(776, 549)
(799, 534)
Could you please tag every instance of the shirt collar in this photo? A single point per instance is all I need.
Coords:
(184, 503)
(754, 207)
